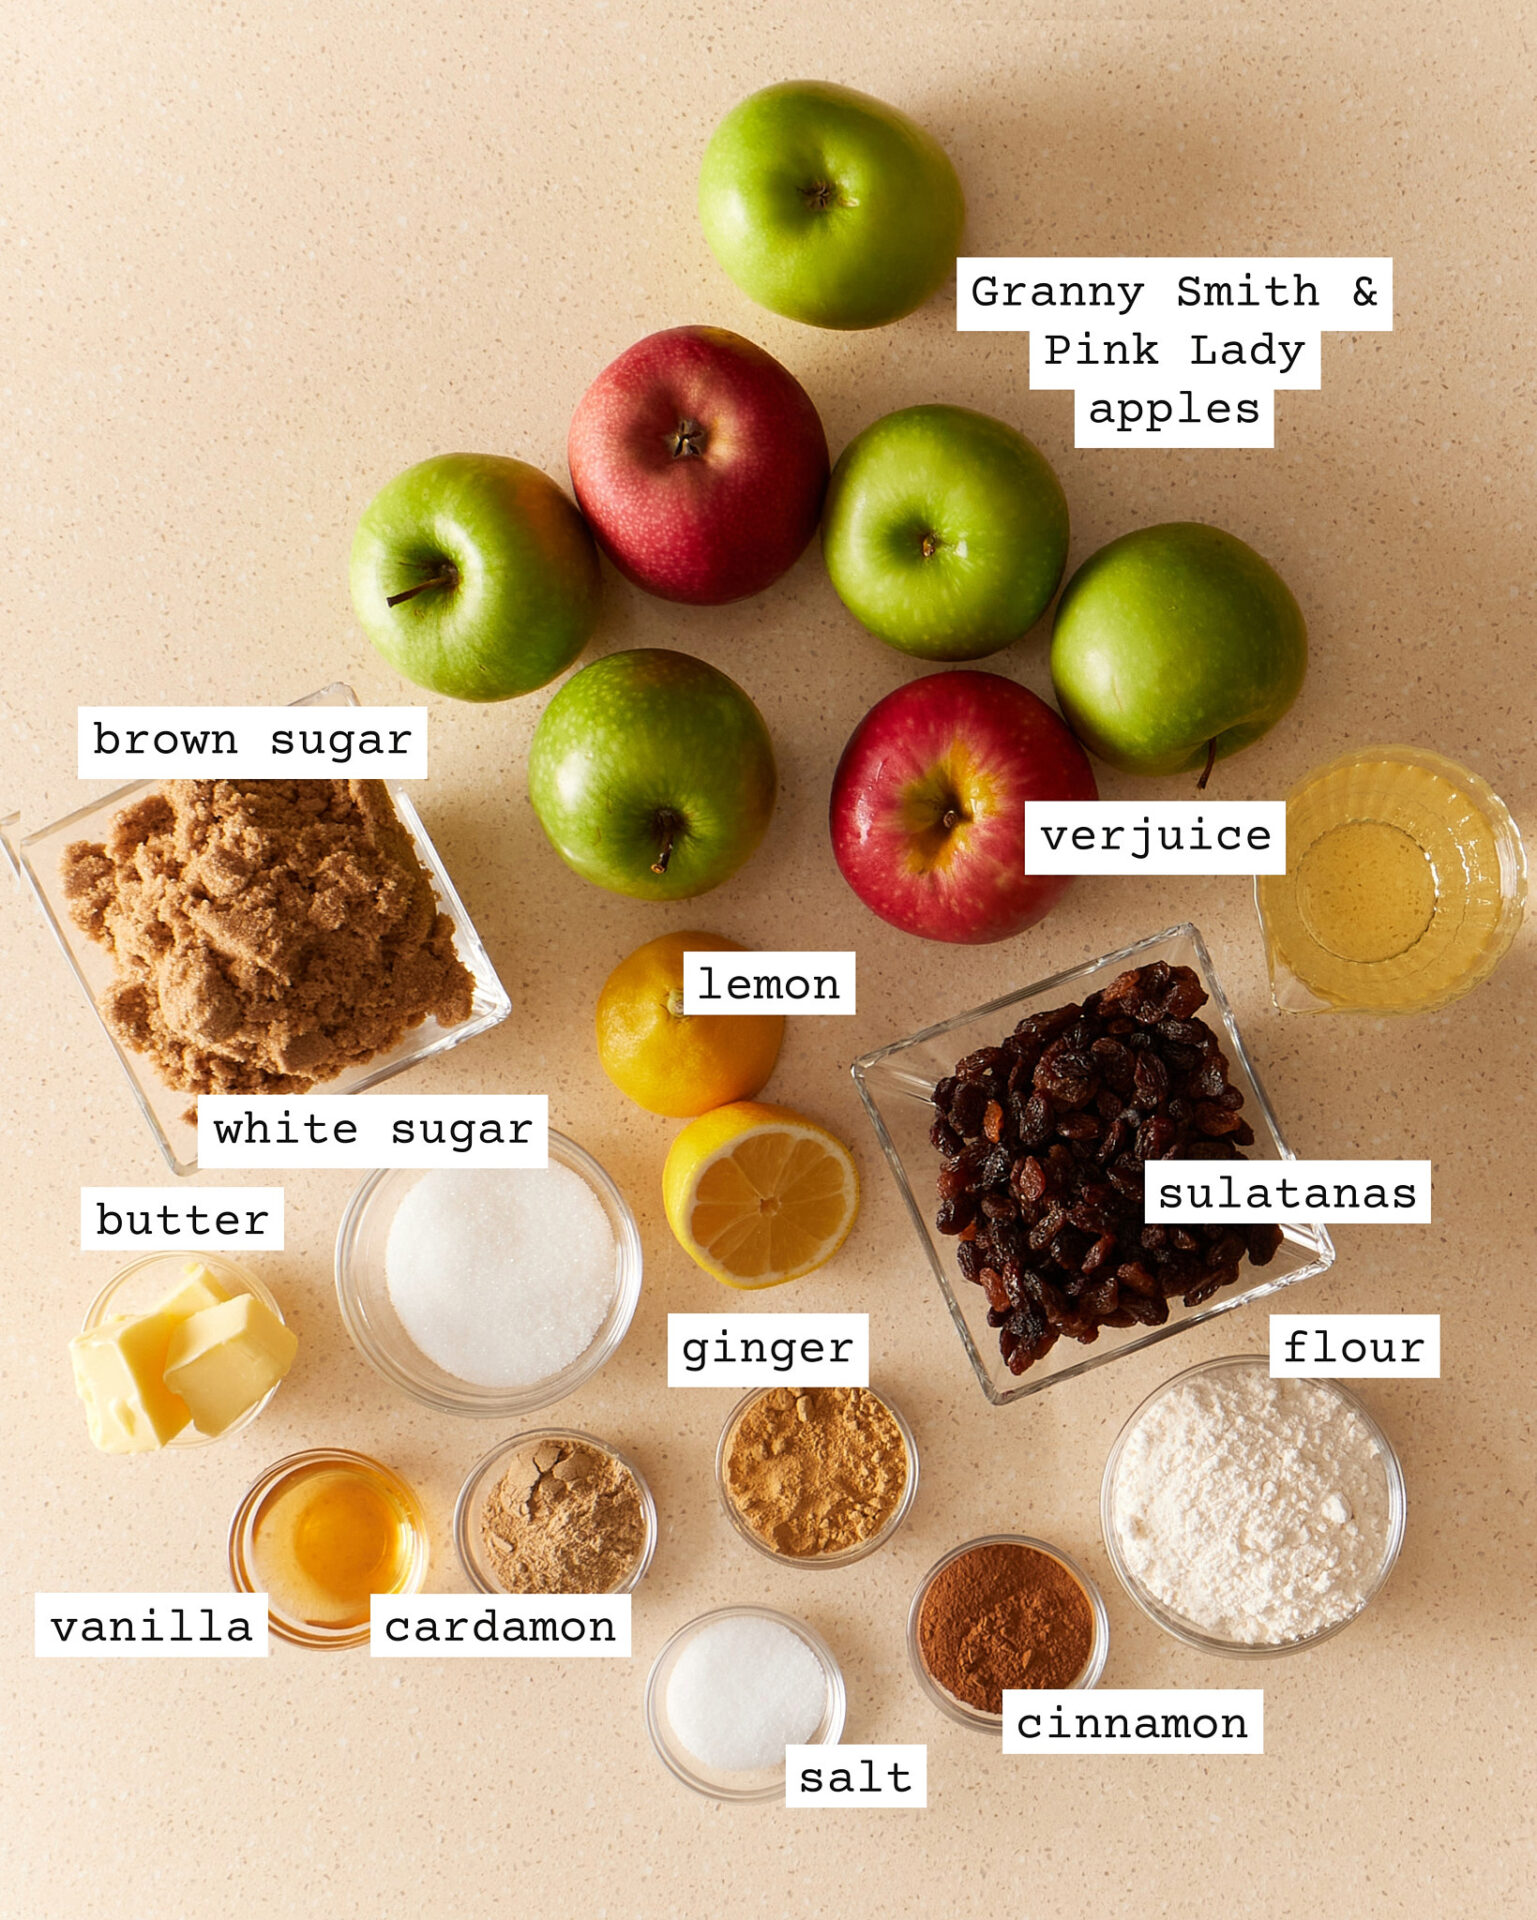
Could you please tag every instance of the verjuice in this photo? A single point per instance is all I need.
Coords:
(1404, 885)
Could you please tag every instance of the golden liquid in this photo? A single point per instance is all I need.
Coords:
(327, 1538)
(1398, 893)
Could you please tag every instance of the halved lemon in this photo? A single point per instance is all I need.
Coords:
(757, 1195)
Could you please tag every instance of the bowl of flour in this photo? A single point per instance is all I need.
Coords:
(1252, 1516)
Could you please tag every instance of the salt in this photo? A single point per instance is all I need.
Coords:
(743, 1690)
(502, 1277)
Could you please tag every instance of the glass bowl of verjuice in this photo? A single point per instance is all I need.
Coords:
(1405, 884)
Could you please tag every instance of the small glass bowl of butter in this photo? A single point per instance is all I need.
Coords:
(183, 1284)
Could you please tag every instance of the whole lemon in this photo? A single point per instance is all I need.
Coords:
(669, 1061)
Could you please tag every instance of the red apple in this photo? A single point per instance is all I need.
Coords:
(700, 464)
(928, 805)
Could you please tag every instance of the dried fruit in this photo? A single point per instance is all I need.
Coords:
(1043, 1141)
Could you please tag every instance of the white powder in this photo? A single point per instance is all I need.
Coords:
(501, 1276)
(742, 1691)
(1256, 1509)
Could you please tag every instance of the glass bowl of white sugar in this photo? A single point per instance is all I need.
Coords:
(1248, 1516)
(489, 1291)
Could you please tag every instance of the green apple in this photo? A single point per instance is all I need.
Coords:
(475, 576)
(652, 774)
(828, 206)
(1175, 646)
(945, 532)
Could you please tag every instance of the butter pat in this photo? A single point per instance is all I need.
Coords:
(223, 1360)
(198, 1291)
(119, 1374)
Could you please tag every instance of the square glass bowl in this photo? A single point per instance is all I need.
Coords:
(895, 1083)
(165, 1107)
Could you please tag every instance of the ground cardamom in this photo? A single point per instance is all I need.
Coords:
(565, 1517)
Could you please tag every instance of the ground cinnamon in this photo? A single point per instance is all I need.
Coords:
(267, 934)
(1002, 1616)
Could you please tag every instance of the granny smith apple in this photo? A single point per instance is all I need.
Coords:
(475, 576)
(828, 206)
(1175, 646)
(652, 774)
(945, 532)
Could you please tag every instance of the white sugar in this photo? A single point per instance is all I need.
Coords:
(742, 1691)
(501, 1277)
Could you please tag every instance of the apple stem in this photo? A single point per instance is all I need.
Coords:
(666, 824)
(1211, 761)
(449, 577)
(929, 546)
(951, 820)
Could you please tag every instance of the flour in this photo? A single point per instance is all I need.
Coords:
(1255, 1509)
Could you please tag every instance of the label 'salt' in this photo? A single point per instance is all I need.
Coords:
(855, 1777)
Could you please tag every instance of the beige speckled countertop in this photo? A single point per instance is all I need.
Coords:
(253, 260)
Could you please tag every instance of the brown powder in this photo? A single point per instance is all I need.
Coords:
(267, 934)
(818, 1471)
(1004, 1616)
(563, 1518)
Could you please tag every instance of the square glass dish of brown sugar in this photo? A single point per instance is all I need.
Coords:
(261, 937)
(1027, 1323)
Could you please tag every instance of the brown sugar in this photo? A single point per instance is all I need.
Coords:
(1004, 1615)
(816, 1472)
(267, 934)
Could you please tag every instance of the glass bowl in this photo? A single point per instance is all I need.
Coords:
(488, 1470)
(962, 1710)
(895, 1082)
(1458, 881)
(165, 1108)
(245, 1577)
(848, 1555)
(767, 1784)
(1185, 1630)
(145, 1282)
(362, 1293)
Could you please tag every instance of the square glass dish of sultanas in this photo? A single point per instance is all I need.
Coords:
(1017, 1133)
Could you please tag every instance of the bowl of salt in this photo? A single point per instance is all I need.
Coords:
(489, 1291)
